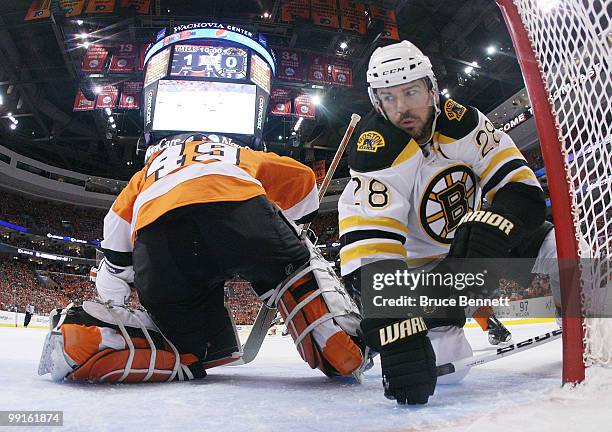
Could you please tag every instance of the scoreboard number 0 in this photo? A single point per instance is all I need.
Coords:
(210, 62)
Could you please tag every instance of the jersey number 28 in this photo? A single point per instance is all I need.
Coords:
(378, 193)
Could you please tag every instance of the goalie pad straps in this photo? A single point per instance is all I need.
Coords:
(103, 354)
(320, 316)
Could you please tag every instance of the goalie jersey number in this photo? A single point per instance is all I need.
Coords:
(178, 156)
(450, 194)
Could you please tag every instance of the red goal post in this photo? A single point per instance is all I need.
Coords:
(563, 48)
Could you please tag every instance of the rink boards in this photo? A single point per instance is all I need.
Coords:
(526, 311)
(12, 319)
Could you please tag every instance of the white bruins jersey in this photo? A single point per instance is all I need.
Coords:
(405, 202)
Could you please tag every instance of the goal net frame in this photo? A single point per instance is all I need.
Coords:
(522, 19)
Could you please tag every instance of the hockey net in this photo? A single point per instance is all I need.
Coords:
(564, 49)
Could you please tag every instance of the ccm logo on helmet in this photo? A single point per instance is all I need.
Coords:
(489, 218)
(392, 71)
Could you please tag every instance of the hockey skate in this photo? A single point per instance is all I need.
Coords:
(498, 333)
(368, 362)
(53, 359)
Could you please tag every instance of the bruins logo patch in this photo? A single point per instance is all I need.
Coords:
(453, 110)
(449, 196)
(370, 141)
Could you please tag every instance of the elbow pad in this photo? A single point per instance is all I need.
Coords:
(523, 203)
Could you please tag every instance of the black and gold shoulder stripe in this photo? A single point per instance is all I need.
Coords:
(456, 121)
(376, 144)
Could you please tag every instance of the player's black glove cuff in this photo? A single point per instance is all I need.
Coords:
(352, 283)
(407, 358)
(485, 234)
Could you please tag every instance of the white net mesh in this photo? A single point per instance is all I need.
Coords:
(572, 41)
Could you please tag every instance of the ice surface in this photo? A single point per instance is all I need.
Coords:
(279, 392)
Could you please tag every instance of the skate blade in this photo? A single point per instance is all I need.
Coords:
(501, 344)
(368, 362)
(358, 375)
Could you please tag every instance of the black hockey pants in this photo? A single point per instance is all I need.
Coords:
(182, 260)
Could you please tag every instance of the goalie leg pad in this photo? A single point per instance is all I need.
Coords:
(320, 316)
(82, 346)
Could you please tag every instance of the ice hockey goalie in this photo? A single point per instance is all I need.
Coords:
(198, 213)
(204, 208)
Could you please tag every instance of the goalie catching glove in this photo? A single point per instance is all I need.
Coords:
(320, 316)
(113, 281)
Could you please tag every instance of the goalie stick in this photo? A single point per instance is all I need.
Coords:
(502, 352)
(266, 315)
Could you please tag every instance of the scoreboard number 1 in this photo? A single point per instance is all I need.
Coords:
(209, 62)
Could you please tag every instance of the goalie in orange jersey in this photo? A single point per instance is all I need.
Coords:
(201, 211)
(198, 213)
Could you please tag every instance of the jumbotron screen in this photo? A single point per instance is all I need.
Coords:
(205, 106)
(209, 61)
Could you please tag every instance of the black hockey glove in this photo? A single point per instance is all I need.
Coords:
(407, 357)
(485, 234)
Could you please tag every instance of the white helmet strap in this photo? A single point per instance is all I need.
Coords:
(376, 102)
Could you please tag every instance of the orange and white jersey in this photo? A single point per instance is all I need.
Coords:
(203, 169)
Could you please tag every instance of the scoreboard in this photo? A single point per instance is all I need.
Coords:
(207, 77)
(209, 61)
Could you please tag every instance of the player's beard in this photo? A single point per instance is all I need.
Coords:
(421, 131)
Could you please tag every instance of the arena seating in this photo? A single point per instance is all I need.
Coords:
(242, 301)
(64, 288)
(43, 216)
(325, 226)
(534, 158)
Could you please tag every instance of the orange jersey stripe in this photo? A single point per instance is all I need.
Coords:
(213, 189)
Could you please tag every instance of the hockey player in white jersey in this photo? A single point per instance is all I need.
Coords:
(418, 168)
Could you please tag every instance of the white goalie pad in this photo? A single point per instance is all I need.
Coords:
(128, 317)
(342, 309)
